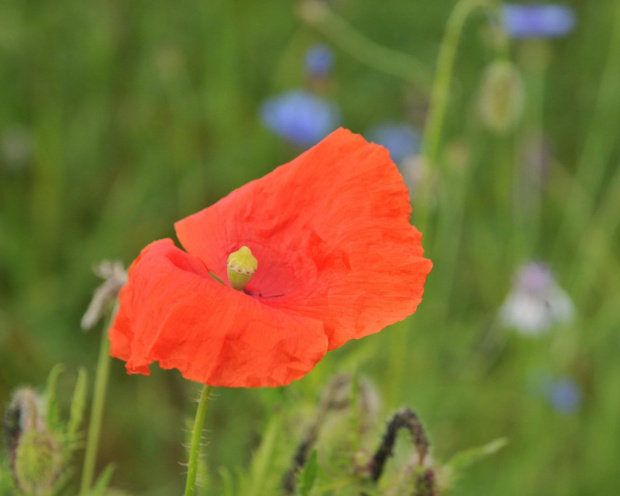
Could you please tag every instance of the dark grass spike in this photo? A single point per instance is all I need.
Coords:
(329, 401)
(403, 419)
(299, 460)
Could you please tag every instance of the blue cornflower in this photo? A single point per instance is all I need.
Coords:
(401, 139)
(537, 20)
(319, 61)
(565, 395)
(300, 117)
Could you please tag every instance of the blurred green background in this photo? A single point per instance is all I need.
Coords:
(119, 118)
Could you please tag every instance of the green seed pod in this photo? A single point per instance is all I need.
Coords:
(501, 97)
(241, 267)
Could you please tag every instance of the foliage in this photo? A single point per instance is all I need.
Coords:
(119, 118)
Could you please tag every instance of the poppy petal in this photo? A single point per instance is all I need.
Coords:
(331, 234)
(172, 311)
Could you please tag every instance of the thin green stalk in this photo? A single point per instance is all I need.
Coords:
(596, 244)
(194, 450)
(432, 137)
(506, 177)
(374, 55)
(399, 356)
(447, 236)
(527, 204)
(440, 92)
(96, 414)
(443, 77)
(598, 147)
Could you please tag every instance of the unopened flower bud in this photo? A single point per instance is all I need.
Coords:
(241, 267)
(38, 462)
(36, 453)
(312, 11)
(22, 414)
(501, 97)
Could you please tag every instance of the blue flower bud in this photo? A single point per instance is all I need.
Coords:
(565, 395)
(319, 61)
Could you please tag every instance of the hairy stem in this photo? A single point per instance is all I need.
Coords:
(194, 449)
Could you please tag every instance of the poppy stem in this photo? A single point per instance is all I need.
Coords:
(441, 91)
(194, 449)
(96, 415)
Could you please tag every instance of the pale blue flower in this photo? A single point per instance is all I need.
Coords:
(300, 117)
(401, 139)
(538, 20)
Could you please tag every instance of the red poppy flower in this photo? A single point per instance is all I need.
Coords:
(337, 260)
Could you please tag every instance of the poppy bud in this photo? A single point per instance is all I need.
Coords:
(38, 462)
(36, 454)
(501, 97)
(23, 413)
(241, 267)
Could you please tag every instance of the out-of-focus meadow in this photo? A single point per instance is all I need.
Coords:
(119, 118)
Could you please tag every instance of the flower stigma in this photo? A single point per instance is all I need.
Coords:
(241, 267)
